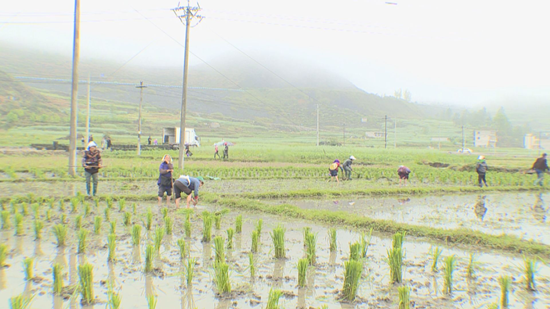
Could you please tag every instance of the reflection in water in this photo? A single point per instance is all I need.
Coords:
(167, 243)
(27, 292)
(72, 267)
(310, 281)
(238, 241)
(278, 271)
(206, 254)
(57, 302)
(38, 248)
(224, 304)
(112, 276)
(2, 279)
(302, 298)
(187, 300)
(136, 255)
(539, 213)
(479, 208)
(60, 257)
(332, 259)
(18, 245)
(149, 286)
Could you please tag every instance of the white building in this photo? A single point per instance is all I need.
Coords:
(532, 141)
(373, 134)
(485, 138)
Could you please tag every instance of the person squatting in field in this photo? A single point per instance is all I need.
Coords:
(188, 185)
(347, 167)
(403, 173)
(91, 163)
(165, 179)
(540, 166)
(481, 169)
(333, 169)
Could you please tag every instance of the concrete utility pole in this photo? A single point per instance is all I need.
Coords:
(88, 113)
(386, 131)
(395, 133)
(463, 141)
(188, 14)
(74, 92)
(317, 124)
(139, 116)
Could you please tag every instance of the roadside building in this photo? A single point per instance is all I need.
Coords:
(485, 138)
(536, 141)
(373, 134)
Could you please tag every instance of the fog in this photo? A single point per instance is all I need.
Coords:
(464, 53)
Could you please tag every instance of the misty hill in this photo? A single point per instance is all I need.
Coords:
(281, 92)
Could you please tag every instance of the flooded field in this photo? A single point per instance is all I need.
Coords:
(520, 214)
(324, 280)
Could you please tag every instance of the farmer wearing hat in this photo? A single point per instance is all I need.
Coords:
(165, 179)
(481, 169)
(91, 163)
(403, 173)
(187, 184)
(347, 167)
(540, 166)
(333, 169)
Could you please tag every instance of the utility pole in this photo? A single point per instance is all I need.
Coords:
(74, 91)
(317, 125)
(139, 116)
(463, 141)
(88, 113)
(386, 131)
(395, 133)
(188, 15)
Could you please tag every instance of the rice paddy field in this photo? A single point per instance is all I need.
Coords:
(271, 232)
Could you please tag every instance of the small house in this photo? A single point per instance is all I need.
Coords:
(372, 134)
(485, 138)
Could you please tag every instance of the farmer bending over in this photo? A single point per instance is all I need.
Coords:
(403, 173)
(187, 184)
(540, 166)
(165, 179)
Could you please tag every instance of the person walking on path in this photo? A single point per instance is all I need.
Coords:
(540, 166)
(216, 152)
(91, 163)
(165, 179)
(347, 167)
(481, 169)
(149, 140)
(188, 185)
(226, 151)
(403, 173)
(333, 169)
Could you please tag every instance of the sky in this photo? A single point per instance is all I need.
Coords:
(465, 53)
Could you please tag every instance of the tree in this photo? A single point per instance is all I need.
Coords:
(12, 117)
(407, 96)
(501, 123)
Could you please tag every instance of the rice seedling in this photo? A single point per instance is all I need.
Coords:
(181, 247)
(136, 235)
(354, 251)
(207, 226)
(218, 220)
(96, 203)
(332, 239)
(492, 306)
(398, 239)
(302, 271)
(436, 253)
(25, 209)
(164, 211)
(48, 214)
(114, 300)
(187, 226)
(57, 278)
(450, 263)
(149, 219)
(74, 204)
(111, 243)
(273, 299)
(239, 224)
(97, 225)
(121, 205)
(61, 205)
(82, 243)
(259, 225)
(134, 208)
(127, 219)
(307, 231)
(251, 265)
(18, 224)
(159, 235)
(168, 224)
(20, 302)
(221, 277)
(107, 213)
(64, 218)
(404, 297)
(395, 262)
(51, 203)
(38, 226)
(112, 225)
(365, 243)
(85, 274)
(529, 270)
(152, 302)
(219, 249)
(470, 271)
(78, 222)
(505, 283)
(149, 258)
(87, 209)
(5, 220)
(35, 209)
(230, 235)
(28, 264)
(3, 254)
(255, 242)
(311, 247)
(60, 232)
(352, 274)
(278, 237)
(109, 202)
(189, 271)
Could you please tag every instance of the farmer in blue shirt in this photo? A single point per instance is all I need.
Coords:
(187, 185)
(165, 179)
